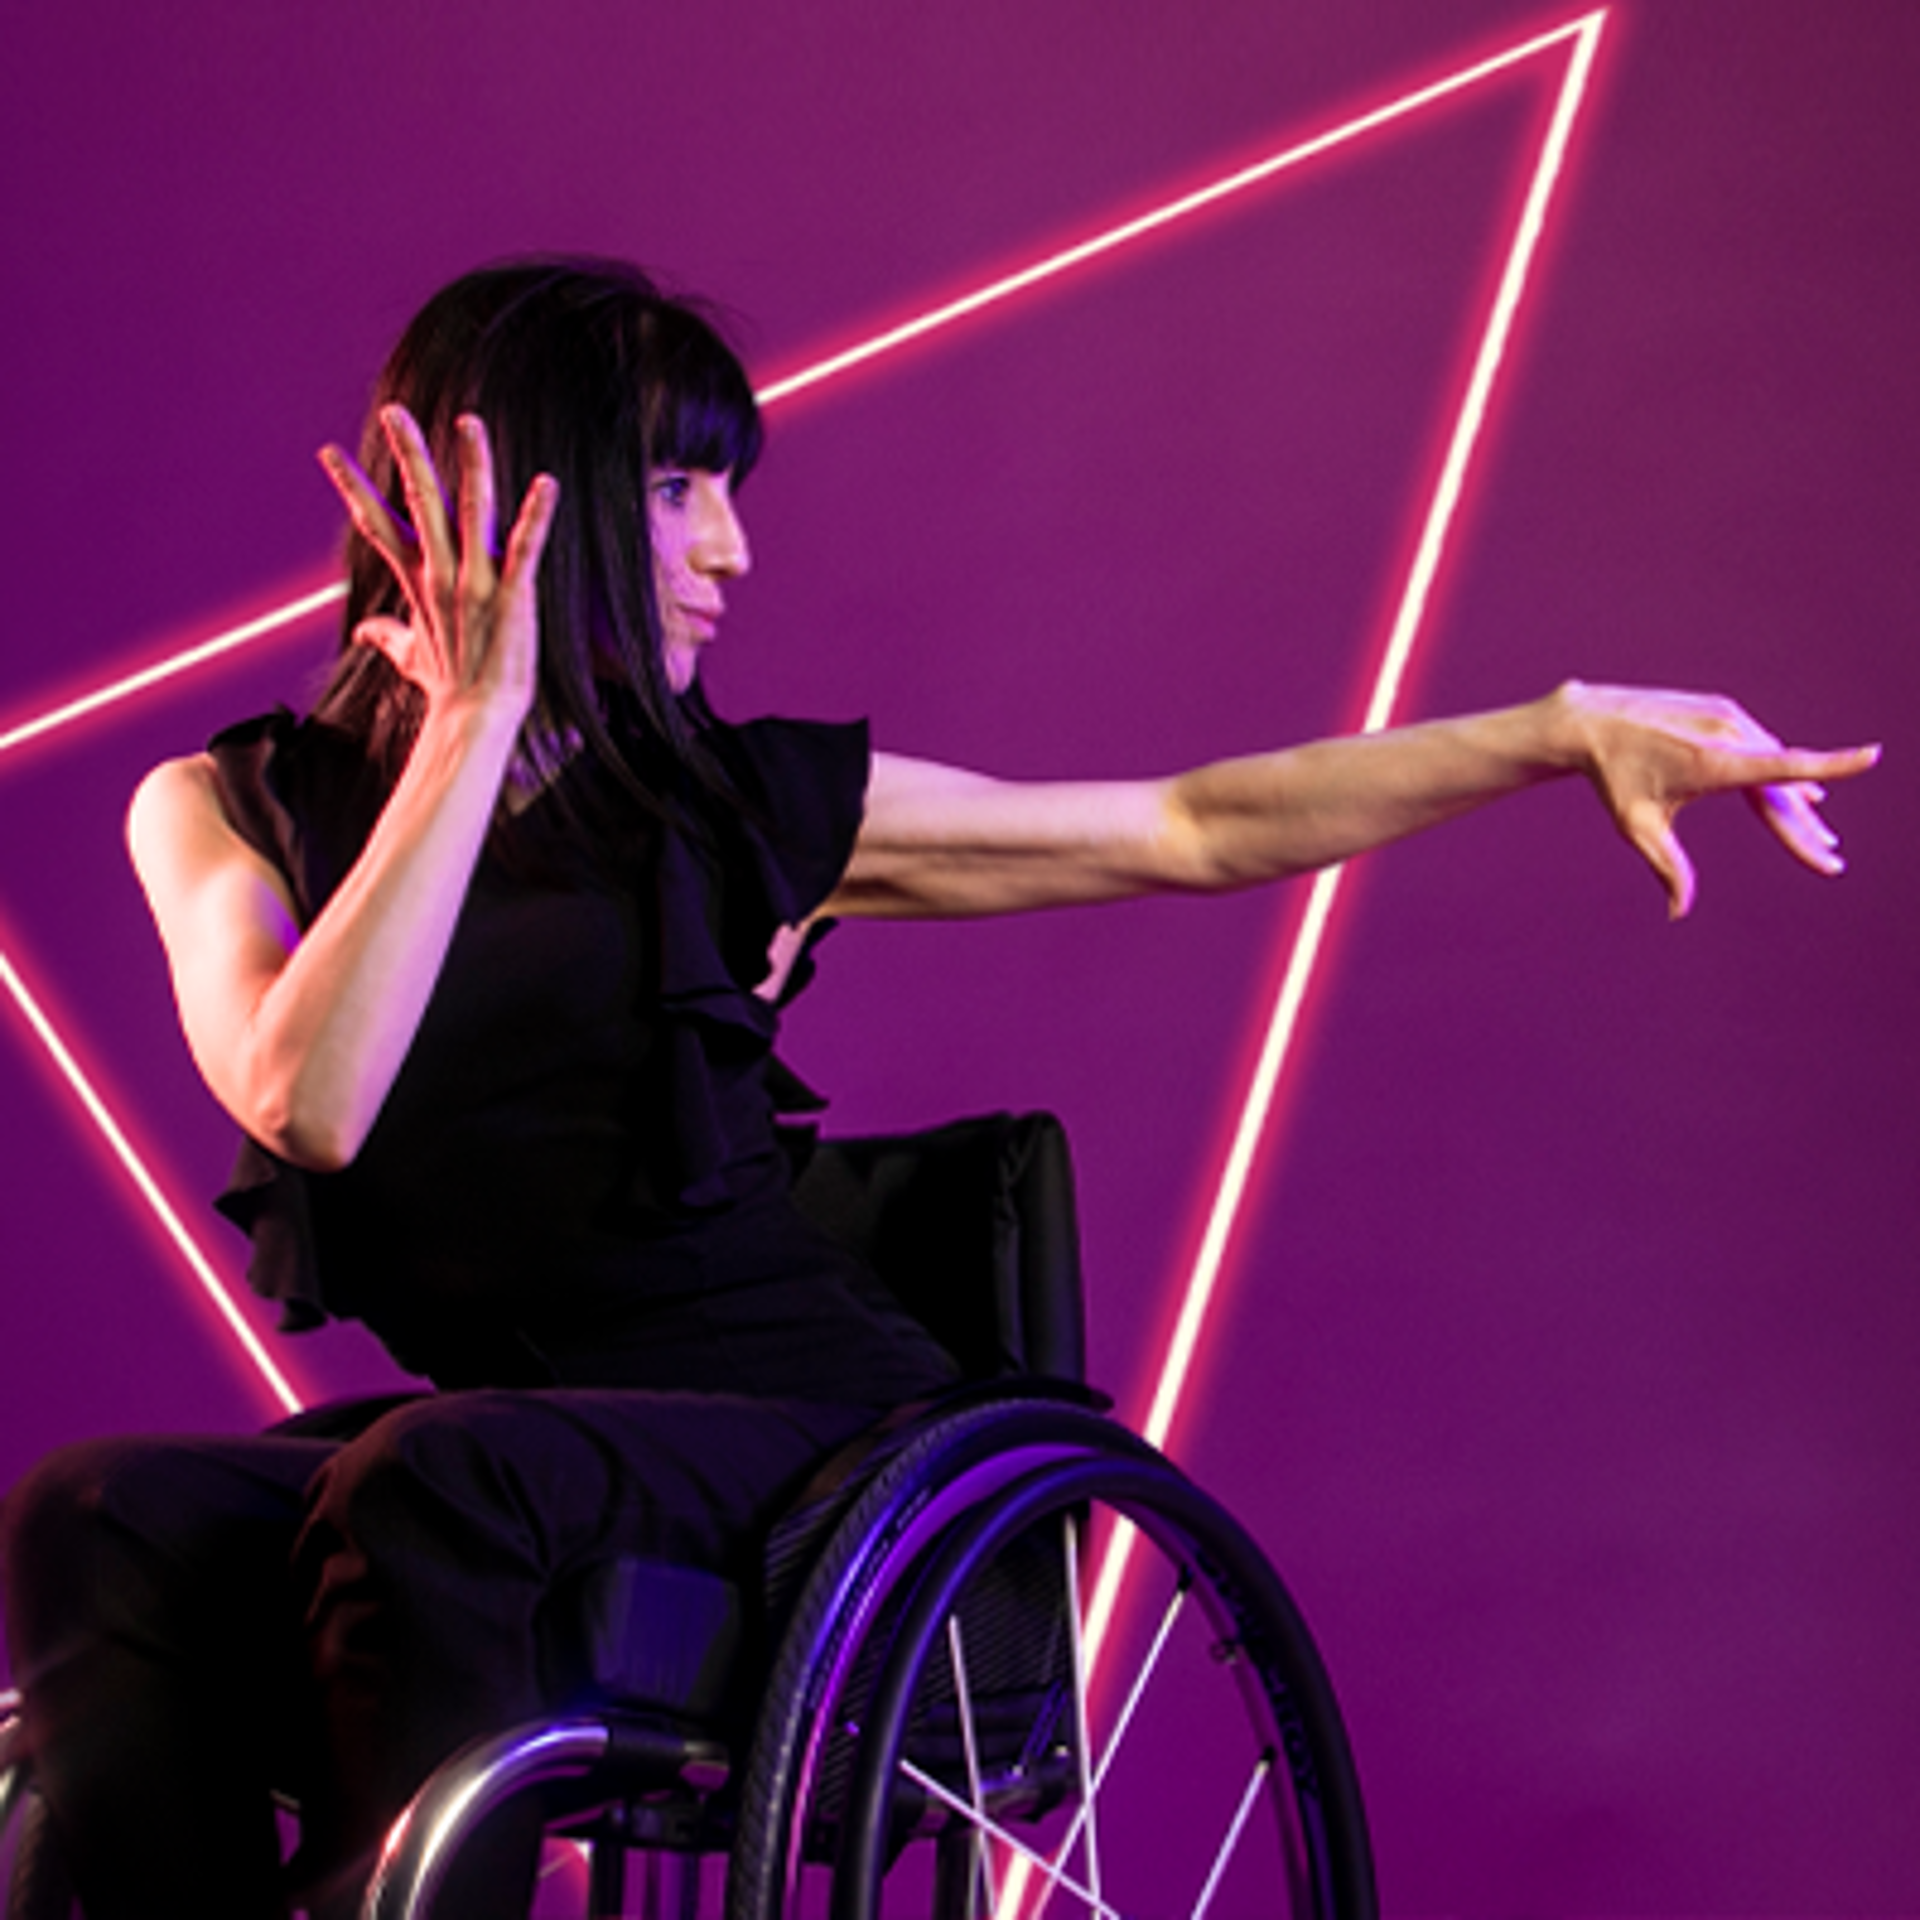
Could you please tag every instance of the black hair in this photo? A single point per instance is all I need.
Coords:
(582, 368)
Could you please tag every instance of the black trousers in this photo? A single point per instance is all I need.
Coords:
(195, 1622)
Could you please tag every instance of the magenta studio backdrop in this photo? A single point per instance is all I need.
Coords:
(1565, 1358)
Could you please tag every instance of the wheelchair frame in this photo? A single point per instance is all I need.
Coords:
(832, 1769)
(930, 1678)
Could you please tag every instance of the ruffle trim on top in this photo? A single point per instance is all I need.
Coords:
(805, 788)
(271, 1203)
(302, 799)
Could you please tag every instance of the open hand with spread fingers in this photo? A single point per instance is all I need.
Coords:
(472, 635)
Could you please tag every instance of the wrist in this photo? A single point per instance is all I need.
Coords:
(1562, 729)
(464, 732)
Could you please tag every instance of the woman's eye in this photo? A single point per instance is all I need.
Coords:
(672, 489)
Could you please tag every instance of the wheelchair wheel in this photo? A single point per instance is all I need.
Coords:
(935, 1684)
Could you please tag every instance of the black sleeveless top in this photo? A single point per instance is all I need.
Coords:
(576, 1178)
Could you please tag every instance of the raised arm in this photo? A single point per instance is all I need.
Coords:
(300, 1033)
(938, 842)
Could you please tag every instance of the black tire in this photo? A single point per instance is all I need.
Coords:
(967, 1522)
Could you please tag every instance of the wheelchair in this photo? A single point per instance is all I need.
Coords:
(911, 1714)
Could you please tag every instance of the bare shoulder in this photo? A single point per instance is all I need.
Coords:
(192, 859)
(188, 781)
(175, 806)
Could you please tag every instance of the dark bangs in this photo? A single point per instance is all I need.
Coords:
(700, 410)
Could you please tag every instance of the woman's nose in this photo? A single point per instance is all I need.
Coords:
(720, 545)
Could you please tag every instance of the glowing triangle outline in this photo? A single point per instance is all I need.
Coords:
(1581, 35)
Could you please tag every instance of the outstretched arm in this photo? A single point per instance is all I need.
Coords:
(300, 1033)
(939, 842)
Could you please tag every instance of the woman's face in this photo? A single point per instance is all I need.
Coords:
(698, 545)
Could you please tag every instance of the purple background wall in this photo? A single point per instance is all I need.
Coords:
(1569, 1365)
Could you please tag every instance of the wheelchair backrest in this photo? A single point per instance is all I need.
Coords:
(972, 1226)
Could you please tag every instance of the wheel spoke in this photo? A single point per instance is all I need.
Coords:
(989, 1826)
(1169, 1618)
(1149, 1661)
(1262, 1767)
(1082, 1740)
(982, 1857)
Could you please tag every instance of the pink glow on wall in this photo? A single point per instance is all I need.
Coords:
(1578, 40)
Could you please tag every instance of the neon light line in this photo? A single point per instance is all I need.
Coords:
(178, 663)
(1493, 347)
(1379, 713)
(1156, 218)
(1257, 1105)
(1050, 267)
(149, 1188)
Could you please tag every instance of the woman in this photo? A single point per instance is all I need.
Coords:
(484, 958)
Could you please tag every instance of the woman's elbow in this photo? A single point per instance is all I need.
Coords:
(1187, 855)
(317, 1148)
(305, 1125)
